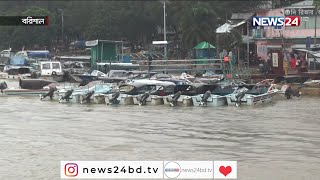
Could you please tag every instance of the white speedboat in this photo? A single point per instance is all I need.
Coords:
(252, 94)
(200, 94)
(84, 93)
(144, 91)
(216, 97)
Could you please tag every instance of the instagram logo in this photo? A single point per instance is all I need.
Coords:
(71, 169)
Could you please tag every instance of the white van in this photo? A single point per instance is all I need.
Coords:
(49, 68)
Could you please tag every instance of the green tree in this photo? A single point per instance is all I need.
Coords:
(195, 22)
(230, 40)
(136, 21)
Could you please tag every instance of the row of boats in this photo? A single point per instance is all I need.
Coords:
(157, 90)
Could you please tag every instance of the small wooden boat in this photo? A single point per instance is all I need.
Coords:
(34, 83)
(25, 91)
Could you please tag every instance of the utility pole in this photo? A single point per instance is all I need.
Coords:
(122, 50)
(61, 10)
(315, 25)
(62, 26)
(165, 31)
(164, 28)
(248, 50)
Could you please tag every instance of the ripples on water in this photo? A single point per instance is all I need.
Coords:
(280, 141)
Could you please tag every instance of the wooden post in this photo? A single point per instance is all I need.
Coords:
(101, 51)
(315, 25)
(238, 56)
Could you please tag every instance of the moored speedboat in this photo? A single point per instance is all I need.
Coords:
(252, 94)
(84, 93)
(184, 94)
(216, 97)
(145, 91)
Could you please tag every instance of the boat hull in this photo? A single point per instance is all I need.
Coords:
(25, 91)
(123, 99)
(88, 78)
(57, 78)
(252, 99)
(183, 100)
(213, 100)
(73, 99)
(34, 83)
(99, 99)
(151, 100)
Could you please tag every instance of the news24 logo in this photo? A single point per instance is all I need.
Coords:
(276, 21)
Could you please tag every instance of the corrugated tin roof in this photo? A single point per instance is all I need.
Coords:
(314, 53)
(302, 4)
(225, 28)
(241, 16)
(238, 24)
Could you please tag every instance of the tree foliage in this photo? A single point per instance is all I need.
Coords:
(135, 21)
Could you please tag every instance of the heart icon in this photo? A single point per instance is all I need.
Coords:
(225, 170)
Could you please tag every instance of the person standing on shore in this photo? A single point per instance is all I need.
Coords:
(226, 62)
(293, 62)
(298, 64)
(286, 67)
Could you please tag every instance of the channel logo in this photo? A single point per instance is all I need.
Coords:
(225, 169)
(172, 170)
(71, 169)
(277, 21)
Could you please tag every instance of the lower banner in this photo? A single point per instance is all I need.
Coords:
(148, 169)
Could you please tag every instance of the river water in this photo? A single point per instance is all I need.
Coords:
(279, 141)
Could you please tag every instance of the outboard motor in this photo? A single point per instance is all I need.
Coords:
(143, 98)
(50, 93)
(239, 96)
(290, 92)
(114, 98)
(205, 98)
(87, 97)
(66, 96)
(3, 86)
(175, 98)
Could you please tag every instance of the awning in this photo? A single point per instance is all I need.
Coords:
(239, 24)
(204, 45)
(241, 16)
(314, 53)
(224, 28)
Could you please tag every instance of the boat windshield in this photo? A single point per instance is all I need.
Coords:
(256, 90)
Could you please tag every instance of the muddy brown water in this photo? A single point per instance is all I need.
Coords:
(278, 141)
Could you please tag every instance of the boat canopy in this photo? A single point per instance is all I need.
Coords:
(147, 82)
(38, 54)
